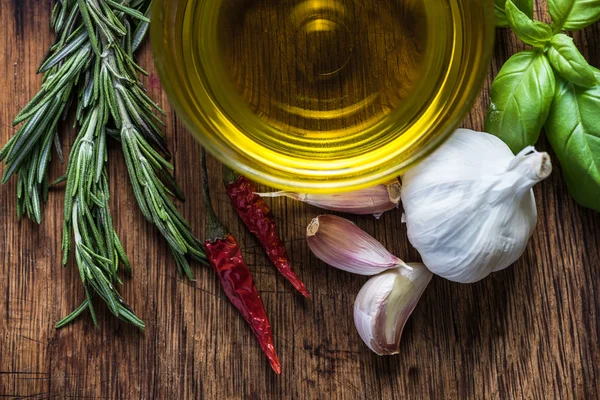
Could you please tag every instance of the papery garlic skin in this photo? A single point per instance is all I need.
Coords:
(343, 245)
(385, 303)
(469, 207)
(374, 200)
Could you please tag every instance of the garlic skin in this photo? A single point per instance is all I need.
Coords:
(374, 200)
(469, 207)
(343, 245)
(385, 303)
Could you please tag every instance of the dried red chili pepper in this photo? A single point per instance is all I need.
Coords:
(225, 256)
(257, 217)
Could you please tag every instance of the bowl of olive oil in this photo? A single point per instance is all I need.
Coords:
(322, 95)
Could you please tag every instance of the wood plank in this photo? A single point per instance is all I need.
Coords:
(531, 331)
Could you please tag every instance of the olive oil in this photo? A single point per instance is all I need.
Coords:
(320, 94)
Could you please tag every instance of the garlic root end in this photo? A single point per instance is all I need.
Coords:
(313, 227)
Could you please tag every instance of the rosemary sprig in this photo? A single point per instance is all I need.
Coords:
(28, 152)
(93, 57)
(141, 140)
(97, 246)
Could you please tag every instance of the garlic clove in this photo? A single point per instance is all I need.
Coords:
(385, 303)
(343, 245)
(374, 200)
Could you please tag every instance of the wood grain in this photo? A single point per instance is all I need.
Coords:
(531, 331)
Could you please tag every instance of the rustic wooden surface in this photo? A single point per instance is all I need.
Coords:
(531, 331)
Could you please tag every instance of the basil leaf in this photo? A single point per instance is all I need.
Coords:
(559, 11)
(533, 33)
(573, 14)
(573, 129)
(569, 63)
(499, 10)
(583, 14)
(520, 99)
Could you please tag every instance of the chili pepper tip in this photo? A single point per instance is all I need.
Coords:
(277, 369)
(300, 287)
(274, 361)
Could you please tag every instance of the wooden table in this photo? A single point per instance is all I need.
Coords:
(531, 331)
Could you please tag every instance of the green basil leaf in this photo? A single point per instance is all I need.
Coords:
(520, 99)
(583, 14)
(573, 129)
(573, 14)
(499, 10)
(533, 33)
(559, 11)
(569, 63)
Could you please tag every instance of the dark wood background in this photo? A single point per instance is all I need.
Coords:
(531, 331)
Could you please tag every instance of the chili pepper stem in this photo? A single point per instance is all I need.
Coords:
(229, 175)
(214, 228)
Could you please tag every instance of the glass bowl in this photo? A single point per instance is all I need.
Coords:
(322, 95)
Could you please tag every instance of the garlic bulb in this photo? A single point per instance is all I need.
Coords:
(343, 245)
(384, 304)
(374, 200)
(469, 207)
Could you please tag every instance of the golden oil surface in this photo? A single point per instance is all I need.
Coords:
(327, 68)
(322, 94)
